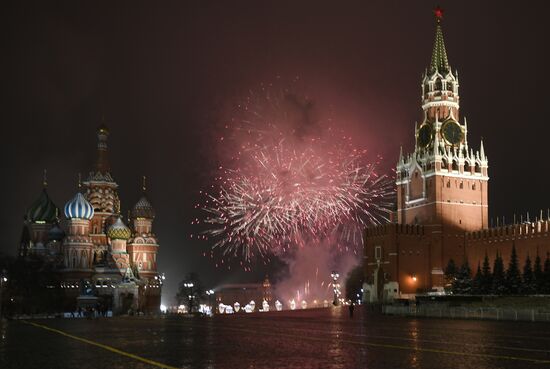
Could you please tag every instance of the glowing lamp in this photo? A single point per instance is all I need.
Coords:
(292, 304)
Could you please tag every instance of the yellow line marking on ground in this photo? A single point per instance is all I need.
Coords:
(105, 347)
(368, 344)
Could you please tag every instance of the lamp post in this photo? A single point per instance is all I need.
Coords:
(335, 287)
(190, 296)
(210, 293)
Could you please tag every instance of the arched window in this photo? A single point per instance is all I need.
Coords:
(444, 164)
(461, 185)
(478, 168)
(467, 167)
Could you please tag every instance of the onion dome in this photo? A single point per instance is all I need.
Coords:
(43, 210)
(143, 209)
(119, 231)
(79, 208)
(56, 233)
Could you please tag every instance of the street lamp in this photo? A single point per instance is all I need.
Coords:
(190, 296)
(335, 287)
(210, 293)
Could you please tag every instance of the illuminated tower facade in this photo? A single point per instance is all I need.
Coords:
(142, 249)
(442, 189)
(102, 193)
(143, 246)
(444, 181)
(77, 244)
(119, 234)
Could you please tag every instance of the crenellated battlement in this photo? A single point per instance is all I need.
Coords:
(539, 227)
(394, 228)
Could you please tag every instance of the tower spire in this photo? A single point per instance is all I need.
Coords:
(45, 178)
(143, 185)
(102, 164)
(439, 62)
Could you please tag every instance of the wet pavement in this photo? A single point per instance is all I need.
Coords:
(324, 338)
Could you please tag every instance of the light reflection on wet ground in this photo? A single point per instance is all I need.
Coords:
(325, 338)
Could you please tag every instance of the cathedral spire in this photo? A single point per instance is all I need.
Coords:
(439, 62)
(102, 164)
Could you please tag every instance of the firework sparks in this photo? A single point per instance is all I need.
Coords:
(287, 187)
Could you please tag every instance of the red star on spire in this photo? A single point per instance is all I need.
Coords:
(438, 13)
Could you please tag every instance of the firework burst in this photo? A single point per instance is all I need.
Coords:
(290, 183)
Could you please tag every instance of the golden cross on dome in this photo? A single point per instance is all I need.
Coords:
(143, 186)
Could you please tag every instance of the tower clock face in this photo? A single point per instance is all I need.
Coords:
(452, 132)
(424, 135)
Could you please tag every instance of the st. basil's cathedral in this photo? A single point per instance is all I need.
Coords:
(99, 258)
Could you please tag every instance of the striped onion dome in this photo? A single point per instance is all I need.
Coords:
(119, 231)
(79, 208)
(143, 209)
(43, 210)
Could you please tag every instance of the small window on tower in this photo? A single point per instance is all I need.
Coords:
(474, 186)
(448, 184)
(378, 252)
(461, 185)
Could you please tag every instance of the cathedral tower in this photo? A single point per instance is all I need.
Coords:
(102, 193)
(39, 220)
(143, 247)
(77, 245)
(444, 181)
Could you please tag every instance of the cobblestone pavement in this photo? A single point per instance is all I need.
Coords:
(324, 338)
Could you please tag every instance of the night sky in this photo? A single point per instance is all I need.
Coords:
(160, 75)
